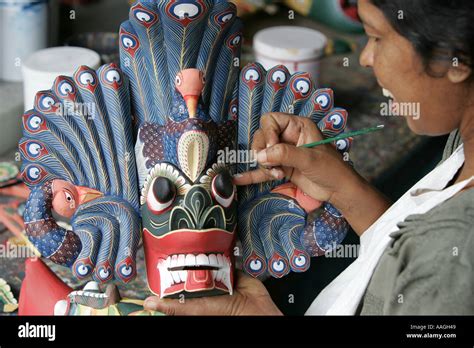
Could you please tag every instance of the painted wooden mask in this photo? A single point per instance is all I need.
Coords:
(186, 112)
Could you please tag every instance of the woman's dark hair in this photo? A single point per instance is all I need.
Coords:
(441, 31)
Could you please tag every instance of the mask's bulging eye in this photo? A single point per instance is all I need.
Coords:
(223, 189)
(161, 195)
(178, 81)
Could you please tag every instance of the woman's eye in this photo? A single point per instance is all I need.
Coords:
(161, 195)
(223, 189)
(374, 38)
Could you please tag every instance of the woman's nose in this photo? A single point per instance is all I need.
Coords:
(366, 58)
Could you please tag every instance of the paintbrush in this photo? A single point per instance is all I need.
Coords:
(343, 136)
(333, 139)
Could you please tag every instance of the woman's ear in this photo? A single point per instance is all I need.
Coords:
(460, 73)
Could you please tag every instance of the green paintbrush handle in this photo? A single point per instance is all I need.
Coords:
(344, 136)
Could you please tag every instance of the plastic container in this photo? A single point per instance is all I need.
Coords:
(298, 48)
(23, 30)
(42, 67)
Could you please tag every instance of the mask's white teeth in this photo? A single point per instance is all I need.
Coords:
(190, 260)
(226, 276)
(175, 276)
(213, 261)
(166, 280)
(219, 275)
(174, 262)
(170, 272)
(220, 260)
(202, 260)
(183, 275)
(181, 260)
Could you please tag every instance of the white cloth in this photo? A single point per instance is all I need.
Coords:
(343, 295)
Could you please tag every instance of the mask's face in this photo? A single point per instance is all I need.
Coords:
(189, 214)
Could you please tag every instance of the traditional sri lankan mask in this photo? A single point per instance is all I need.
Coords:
(182, 61)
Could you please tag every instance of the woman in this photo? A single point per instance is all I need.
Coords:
(416, 255)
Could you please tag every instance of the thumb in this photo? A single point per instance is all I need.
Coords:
(285, 155)
(172, 307)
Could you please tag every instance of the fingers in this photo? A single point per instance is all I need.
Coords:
(258, 176)
(173, 307)
(272, 125)
(218, 305)
(285, 155)
(273, 144)
(258, 142)
(295, 130)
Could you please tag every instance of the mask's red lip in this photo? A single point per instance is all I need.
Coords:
(188, 242)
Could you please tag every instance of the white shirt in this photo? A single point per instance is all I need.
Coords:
(343, 295)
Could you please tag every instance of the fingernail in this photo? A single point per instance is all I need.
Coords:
(262, 156)
(277, 173)
(238, 175)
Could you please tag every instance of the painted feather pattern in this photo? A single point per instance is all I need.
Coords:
(277, 236)
(91, 148)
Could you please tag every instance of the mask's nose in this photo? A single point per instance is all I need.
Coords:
(205, 213)
(193, 149)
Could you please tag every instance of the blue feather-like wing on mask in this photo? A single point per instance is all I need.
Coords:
(81, 131)
(276, 235)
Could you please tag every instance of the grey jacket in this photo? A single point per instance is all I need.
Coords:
(429, 266)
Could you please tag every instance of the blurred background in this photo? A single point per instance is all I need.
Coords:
(321, 36)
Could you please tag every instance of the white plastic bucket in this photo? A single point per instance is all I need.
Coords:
(42, 67)
(23, 30)
(298, 48)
